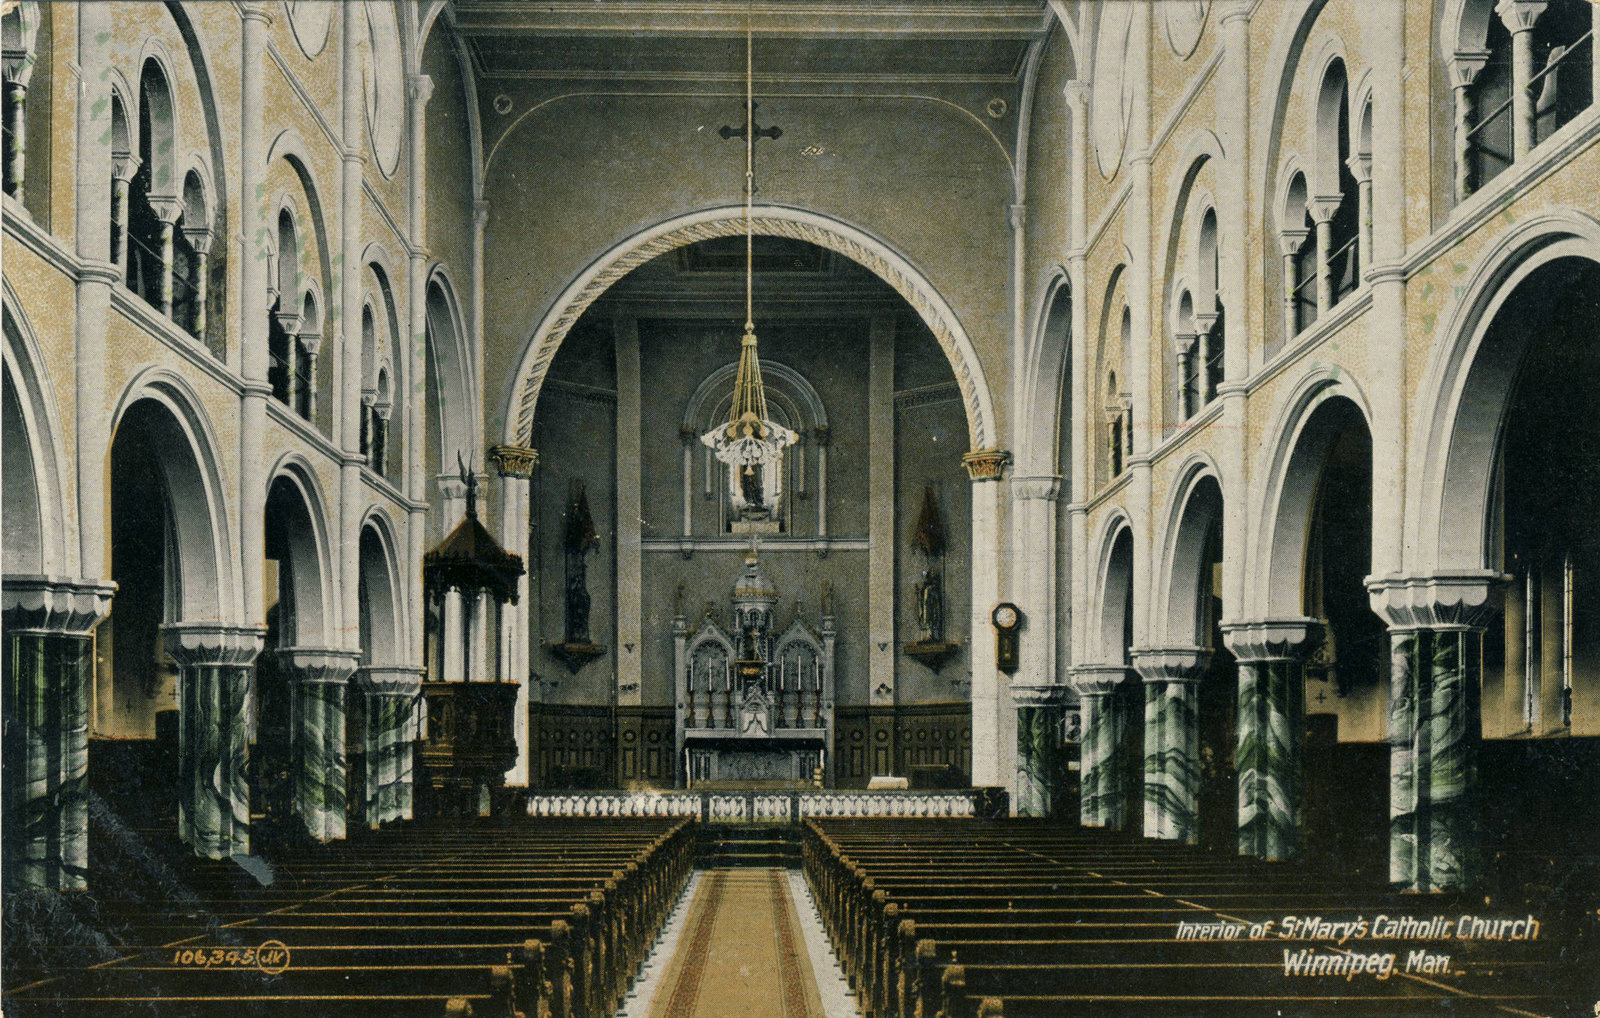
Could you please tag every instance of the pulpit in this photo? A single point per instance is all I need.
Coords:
(471, 736)
(754, 707)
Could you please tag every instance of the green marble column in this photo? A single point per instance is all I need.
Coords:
(214, 664)
(1271, 731)
(1435, 661)
(1171, 741)
(1103, 799)
(388, 697)
(48, 656)
(318, 680)
(1039, 751)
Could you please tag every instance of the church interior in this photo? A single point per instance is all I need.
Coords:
(915, 508)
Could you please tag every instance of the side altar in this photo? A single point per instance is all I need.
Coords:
(755, 706)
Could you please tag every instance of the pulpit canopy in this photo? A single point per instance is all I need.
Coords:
(470, 560)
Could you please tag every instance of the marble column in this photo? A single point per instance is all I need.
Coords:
(387, 698)
(1435, 658)
(214, 669)
(318, 678)
(1039, 763)
(48, 655)
(1103, 800)
(1172, 741)
(1271, 731)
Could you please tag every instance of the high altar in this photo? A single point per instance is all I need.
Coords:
(754, 707)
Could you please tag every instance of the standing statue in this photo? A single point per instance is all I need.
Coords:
(930, 608)
(578, 540)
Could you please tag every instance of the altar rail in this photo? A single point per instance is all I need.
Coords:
(771, 807)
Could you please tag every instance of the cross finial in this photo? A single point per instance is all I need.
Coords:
(469, 479)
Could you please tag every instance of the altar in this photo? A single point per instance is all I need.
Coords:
(754, 708)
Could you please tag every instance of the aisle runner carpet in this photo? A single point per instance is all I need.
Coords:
(741, 953)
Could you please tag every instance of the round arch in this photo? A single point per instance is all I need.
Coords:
(768, 221)
(1196, 507)
(1292, 462)
(1046, 382)
(38, 416)
(382, 622)
(304, 510)
(1115, 572)
(1465, 391)
(185, 448)
(450, 358)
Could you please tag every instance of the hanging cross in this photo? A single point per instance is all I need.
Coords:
(774, 132)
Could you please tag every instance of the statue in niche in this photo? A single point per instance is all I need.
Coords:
(578, 540)
(931, 647)
(930, 608)
(750, 486)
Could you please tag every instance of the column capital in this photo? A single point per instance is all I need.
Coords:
(199, 238)
(1038, 488)
(255, 10)
(514, 460)
(311, 340)
(1097, 680)
(1360, 165)
(1236, 10)
(1043, 694)
(1520, 15)
(1289, 241)
(388, 680)
(480, 213)
(1174, 664)
(54, 605)
(124, 167)
(451, 486)
(1076, 92)
(167, 208)
(1462, 600)
(419, 89)
(1464, 66)
(326, 665)
(1323, 207)
(1280, 639)
(212, 643)
(986, 464)
(288, 321)
(1017, 215)
(1182, 341)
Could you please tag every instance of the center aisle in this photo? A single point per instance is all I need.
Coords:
(742, 952)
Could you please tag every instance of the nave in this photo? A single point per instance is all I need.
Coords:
(586, 918)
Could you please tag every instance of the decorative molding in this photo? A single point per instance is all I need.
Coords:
(54, 605)
(1043, 487)
(1465, 600)
(1179, 664)
(388, 680)
(318, 665)
(767, 223)
(201, 644)
(1281, 639)
(986, 464)
(933, 656)
(1044, 694)
(1097, 680)
(575, 655)
(927, 395)
(514, 460)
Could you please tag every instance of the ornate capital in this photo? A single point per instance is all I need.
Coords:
(1044, 487)
(1181, 342)
(199, 238)
(450, 486)
(54, 605)
(312, 341)
(986, 464)
(514, 460)
(1178, 664)
(1464, 600)
(288, 321)
(1520, 15)
(1323, 207)
(166, 208)
(1289, 241)
(1284, 639)
(419, 89)
(1464, 66)
(1097, 680)
(329, 665)
(1044, 694)
(124, 166)
(1360, 165)
(195, 644)
(388, 680)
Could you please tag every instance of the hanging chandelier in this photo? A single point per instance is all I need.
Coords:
(750, 443)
